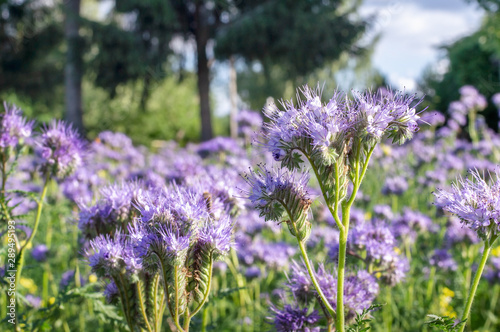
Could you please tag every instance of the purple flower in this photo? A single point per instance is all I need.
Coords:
(496, 99)
(34, 301)
(475, 202)
(113, 211)
(273, 255)
(253, 272)
(109, 256)
(360, 289)
(219, 145)
(68, 277)
(111, 292)
(471, 97)
(40, 252)
(172, 241)
(60, 150)
(248, 121)
(411, 223)
(375, 238)
(395, 185)
(268, 190)
(456, 232)
(14, 127)
(294, 319)
(442, 259)
(396, 271)
(215, 235)
(383, 211)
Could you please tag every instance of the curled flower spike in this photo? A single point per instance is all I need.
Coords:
(109, 256)
(475, 202)
(216, 235)
(278, 191)
(60, 150)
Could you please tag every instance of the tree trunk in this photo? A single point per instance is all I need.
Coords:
(202, 35)
(74, 65)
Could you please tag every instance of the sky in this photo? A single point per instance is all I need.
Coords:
(412, 31)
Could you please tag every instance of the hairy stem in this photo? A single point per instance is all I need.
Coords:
(141, 304)
(308, 265)
(475, 283)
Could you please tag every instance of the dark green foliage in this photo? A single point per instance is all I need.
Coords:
(299, 35)
(473, 60)
(30, 55)
(446, 324)
(363, 319)
(134, 50)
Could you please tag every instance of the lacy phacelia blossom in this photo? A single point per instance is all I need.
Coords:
(248, 122)
(114, 210)
(108, 257)
(274, 192)
(471, 98)
(60, 150)
(327, 127)
(294, 319)
(475, 202)
(14, 127)
(443, 260)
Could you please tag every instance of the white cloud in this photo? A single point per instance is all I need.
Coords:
(413, 31)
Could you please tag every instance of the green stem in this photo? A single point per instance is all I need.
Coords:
(323, 189)
(124, 301)
(187, 320)
(472, 126)
(33, 232)
(430, 284)
(176, 299)
(141, 304)
(204, 320)
(165, 288)
(475, 283)
(346, 210)
(308, 264)
(313, 278)
(340, 321)
(155, 301)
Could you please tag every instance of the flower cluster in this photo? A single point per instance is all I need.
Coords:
(475, 202)
(326, 129)
(14, 127)
(114, 210)
(60, 150)
(294, 318)
(276, 191)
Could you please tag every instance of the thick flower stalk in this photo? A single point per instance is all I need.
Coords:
(337, 139)
(475, 202)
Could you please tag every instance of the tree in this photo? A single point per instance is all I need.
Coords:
(290, 40)
(470, 62)
(30, 54)
(74, 64)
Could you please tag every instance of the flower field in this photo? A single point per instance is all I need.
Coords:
(334, 213)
